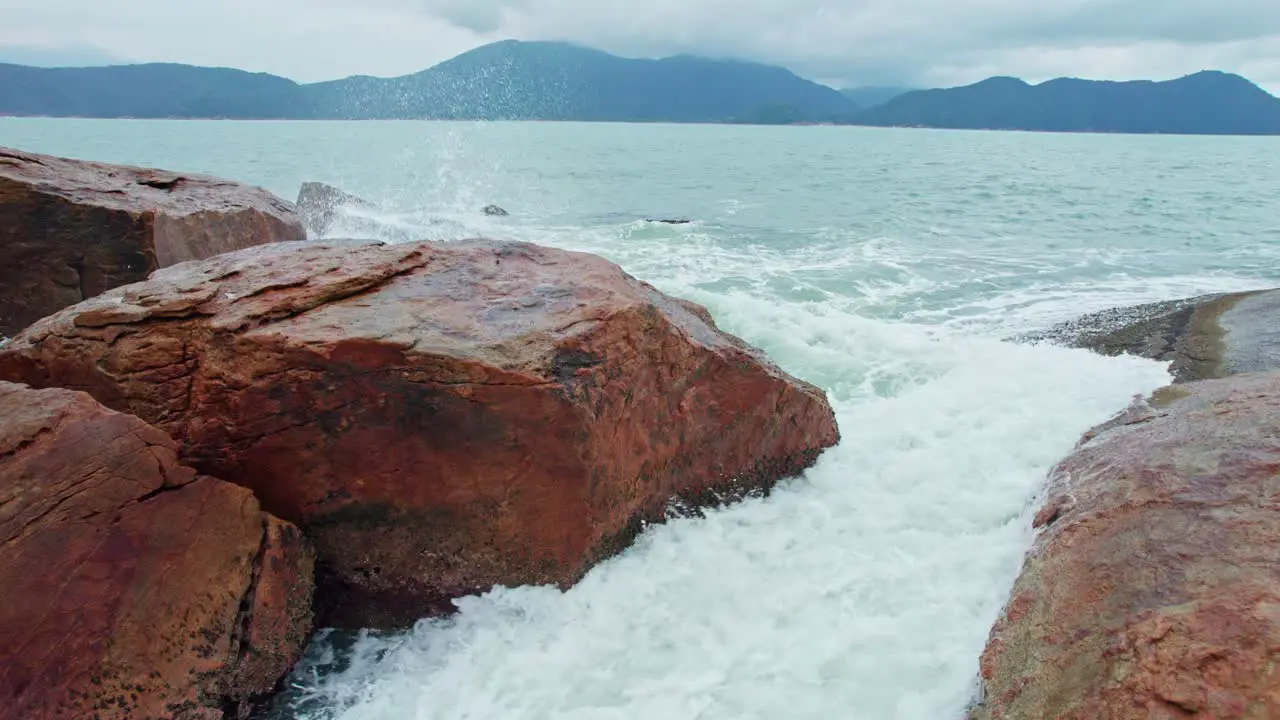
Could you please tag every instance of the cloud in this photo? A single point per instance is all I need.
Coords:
(57, 56)
(922, 42)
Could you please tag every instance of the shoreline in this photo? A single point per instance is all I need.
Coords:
(704, 123)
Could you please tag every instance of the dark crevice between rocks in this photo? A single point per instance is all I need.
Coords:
(346, 605)
(236, 707)
(161, 183)
(330, 652)
(163, 489)
(77, 266)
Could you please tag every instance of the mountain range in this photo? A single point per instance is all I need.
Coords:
(514, 80)
(1206, 103)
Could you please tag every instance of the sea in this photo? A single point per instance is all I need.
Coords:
(891, 267)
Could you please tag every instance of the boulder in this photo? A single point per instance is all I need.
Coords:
(70, 229)
(133, 587)
(494, 210)
(1153, 587)
(319, 204)
(1205, 337)
(439, 418)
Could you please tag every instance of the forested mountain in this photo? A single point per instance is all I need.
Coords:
(508, 80)
(1207, 102)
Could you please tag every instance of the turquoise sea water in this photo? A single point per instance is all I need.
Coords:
(886, 266)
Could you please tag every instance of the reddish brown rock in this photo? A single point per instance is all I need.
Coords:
(134, 588)
(1153, 588)
(439, 418)
(70, 229)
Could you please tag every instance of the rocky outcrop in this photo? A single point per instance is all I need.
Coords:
(70, 230)
(134, 588)
(439, 418)
(1206, 337)
(319, 204)
(1153, 587)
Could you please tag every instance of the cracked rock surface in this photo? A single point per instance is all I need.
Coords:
(71, 229)
(1153, 587)
(134, 587)
(438, 418)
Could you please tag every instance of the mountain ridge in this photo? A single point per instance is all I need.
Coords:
(519, 80)
(1209, 102)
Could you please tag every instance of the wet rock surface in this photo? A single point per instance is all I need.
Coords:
(71, 229)
(1153, 587)
(318, 205)
(438, 418)
(133, 587)
(1205, 337)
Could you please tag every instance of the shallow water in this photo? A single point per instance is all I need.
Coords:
(885, 266)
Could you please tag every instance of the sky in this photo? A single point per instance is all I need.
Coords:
(844, 43)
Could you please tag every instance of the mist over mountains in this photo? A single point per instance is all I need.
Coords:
(514, 80)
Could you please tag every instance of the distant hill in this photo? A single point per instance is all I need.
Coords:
(872, 96)
(514, 80)
(509, 80)
(158, 90)
(1209, 102)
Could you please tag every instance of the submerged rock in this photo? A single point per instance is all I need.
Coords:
(1206, 337)
(1153, 587)
(134, 588)
(71, 229)
(494, 210)
(439, 418)
(319, 204)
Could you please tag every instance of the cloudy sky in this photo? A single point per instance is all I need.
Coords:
(841, 42)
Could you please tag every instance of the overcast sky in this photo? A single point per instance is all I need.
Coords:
(841, 42)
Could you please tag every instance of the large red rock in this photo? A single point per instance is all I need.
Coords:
(439, 418)
(1153, 588)
(71, 229)
(134, 588)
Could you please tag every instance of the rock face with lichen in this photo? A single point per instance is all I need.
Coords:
(438, 418)
(133, 587)
(72, 229)
(1153, 587)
